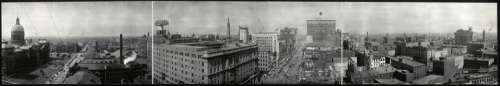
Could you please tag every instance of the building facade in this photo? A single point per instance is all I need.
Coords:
(204, 63)
(268, 52)
(463, 37)
(244, 34)
(418, 69)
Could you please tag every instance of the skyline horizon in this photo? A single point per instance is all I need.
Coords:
(210, 17)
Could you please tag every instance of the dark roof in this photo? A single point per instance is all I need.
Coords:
(83, 77)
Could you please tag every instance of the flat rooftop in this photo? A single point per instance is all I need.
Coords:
(389, 81)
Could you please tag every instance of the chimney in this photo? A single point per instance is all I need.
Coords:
(367, 36)
(228, 30)
(121, 48)
(96, 46)
(484, 37)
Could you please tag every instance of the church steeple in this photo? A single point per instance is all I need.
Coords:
(17, 21)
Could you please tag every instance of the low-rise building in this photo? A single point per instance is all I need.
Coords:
(402, 62)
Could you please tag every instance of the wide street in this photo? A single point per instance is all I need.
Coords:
(287, 71)
(60, 76)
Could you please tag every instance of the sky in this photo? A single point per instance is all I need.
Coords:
(78, 19)
(63, 19)
(352, 17)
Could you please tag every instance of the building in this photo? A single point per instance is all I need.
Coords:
(418, 69)
(21, 54)
(324, 31)
(268, 52)
(488, 79)
(370, 76)
(477, 63)
(449, 67)
(475, 48)
(116, 67)
(17, 35)
(204, 63)
(244, 34)
(320, 29)
(404, 75)
(420, 51)
(457, 49)
(463, 37)
(430, 79)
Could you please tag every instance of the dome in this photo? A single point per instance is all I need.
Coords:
(17, 28)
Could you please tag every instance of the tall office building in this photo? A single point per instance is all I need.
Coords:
(268, 49)
(320, 30)
(463, 37)
(243, 34)
(208, 62)
(189, 60)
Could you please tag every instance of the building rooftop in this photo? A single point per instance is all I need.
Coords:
(383, 69)
(430, 79)
(406, 60)
(82, 77)
(475, 76)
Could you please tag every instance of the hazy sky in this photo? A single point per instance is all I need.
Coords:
(78, 18)
(134, 18)
(378, 17)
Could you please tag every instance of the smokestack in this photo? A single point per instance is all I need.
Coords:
(228, 30)
(121, 48)
(484, 37)
(367, 36)
(96, 46)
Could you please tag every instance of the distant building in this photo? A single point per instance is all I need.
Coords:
(371, 60)
(430, 79)
(483, 79)
(243, 33)
(420, 51)
(463, 37)
(324, 31)
(401, 62)
(203, 60)
(457, 49)
(404, 75)
(17, 35)
(475, 48)
(477, 63)
(370, 76)
(449, 67)
(269, 49)
(204, 63)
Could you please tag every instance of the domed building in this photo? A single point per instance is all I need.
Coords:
(18, 54)
(17, 34)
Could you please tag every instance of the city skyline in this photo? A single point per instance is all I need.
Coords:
(384, 17)
(211, 42)
(259, 16)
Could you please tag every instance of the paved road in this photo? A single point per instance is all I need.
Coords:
(60, 76)
(287, 70)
